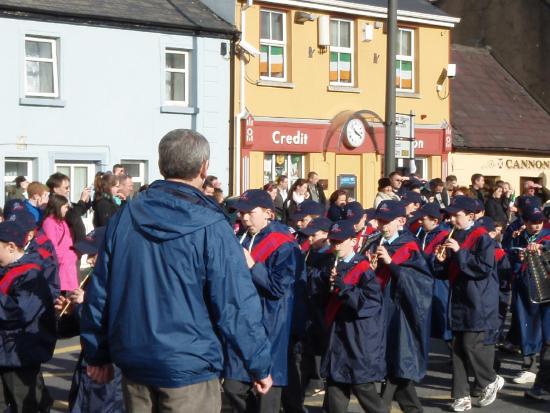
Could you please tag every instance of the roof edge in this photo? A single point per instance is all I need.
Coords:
(500, 149)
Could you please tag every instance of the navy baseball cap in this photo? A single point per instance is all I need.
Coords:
(10, 231)
(253, 198)
(389, 210)
(461, 203)
(413, 183)
(428, 210)
(90, 245)
(15, 210)
(342, 230)
(317, 224)
(488, 223)
(532, 214)
(411, 197)
(308, 207)
(479, 206)
(353, 212)
(370, 213)
(526, 201)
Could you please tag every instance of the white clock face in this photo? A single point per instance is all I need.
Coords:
(355, 133)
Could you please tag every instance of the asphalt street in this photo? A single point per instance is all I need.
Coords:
(434, 390)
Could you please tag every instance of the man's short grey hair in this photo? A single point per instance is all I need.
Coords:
(182, 153)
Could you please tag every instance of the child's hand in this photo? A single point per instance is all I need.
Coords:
(77, 296)
(60, 303)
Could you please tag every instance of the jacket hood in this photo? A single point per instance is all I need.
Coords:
(168, 210)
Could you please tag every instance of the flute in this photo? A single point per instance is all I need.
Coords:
(334, 267)
(82, 283)
(441, 251)
(374, 259)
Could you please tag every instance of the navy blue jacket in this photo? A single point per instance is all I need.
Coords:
(507, 237)
(355, 346)
(170, 276)
(408, 302)
(27, 317)
(275, 280)
(475, 291)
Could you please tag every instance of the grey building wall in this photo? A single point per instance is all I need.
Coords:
(518, 33)
(112, 95)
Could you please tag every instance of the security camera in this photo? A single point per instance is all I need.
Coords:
(248, 48)
(451, 70)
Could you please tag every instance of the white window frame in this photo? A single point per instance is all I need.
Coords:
(410, 58)
(279, 43)
(29, 162)
(175, 50)
(288, 162)
(142, 165)
(349, 50)
(53, 60)
(75, 192)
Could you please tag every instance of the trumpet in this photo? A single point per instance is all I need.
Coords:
(440, 250)
(374, 258)
(82, 284)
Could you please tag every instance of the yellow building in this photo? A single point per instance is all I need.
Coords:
(310, 91)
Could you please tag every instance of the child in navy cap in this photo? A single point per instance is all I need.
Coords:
(304, 213)
(408, 284)
(355, 213)
(27, 315)
(354, 356)
(469, 264)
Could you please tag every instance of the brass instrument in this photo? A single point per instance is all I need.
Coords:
(374, 258)
(441, 250)
(82, 284)
(539, 276)
(371, 239)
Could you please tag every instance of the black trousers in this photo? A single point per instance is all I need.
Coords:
(338, 394)
(244, 399)
(403, 391)
(299, 372)
(543, 376)
(470, 350)
(20, 389)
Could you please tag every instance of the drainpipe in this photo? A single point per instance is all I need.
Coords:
(242, 107)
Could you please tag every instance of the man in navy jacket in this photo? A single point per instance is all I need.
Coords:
(172, 276)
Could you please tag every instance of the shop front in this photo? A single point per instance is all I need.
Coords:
(347, 155)
(512, 168)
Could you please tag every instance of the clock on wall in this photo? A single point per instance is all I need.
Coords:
(354, 133)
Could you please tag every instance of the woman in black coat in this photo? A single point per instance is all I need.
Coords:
(106, 203)
(494, 207)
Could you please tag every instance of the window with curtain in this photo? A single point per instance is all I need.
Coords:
(273, 45)
(404, 67)
(341, 52)
(41, 67)
(177, 77)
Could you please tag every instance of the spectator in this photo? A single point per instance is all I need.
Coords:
(37, 201)
(105, 202)
(56, 229)
(282, 195)
(207, 188)
(451, 183)
(60, 184)
(297, 194)
(531, 188)
(396, 181)
(218, 195)
(118, 169)
(494, 207)
(462, 190)
(439, 193)
(216, 183)
(478, 182)
(508, 198)
(20, 191)
(385, 191)
(315, 189)
(271, 189)
(125, 187)
(337, 205)
(169, 349)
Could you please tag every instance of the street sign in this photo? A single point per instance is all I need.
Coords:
(404, 136)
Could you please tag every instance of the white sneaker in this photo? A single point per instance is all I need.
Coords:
(524, 377)
(489, 393)
(462, 404)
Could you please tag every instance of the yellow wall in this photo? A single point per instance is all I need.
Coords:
(434, 167)
(464, 165)
(310, 99)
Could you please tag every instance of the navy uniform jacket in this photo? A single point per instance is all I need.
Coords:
(408, 305)
(169, 281)
(440, 303)
(355, 346)
(507, 237)
(473, 278)
(27, 317)
(275, 280)
(533, 319)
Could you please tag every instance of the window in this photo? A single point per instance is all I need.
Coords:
(341, 52)
(12, 169)
(276, 164)
(404, 65)
(138, 171)
(41, 76)
(80, 174)
(177, 77)
(273, 45)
